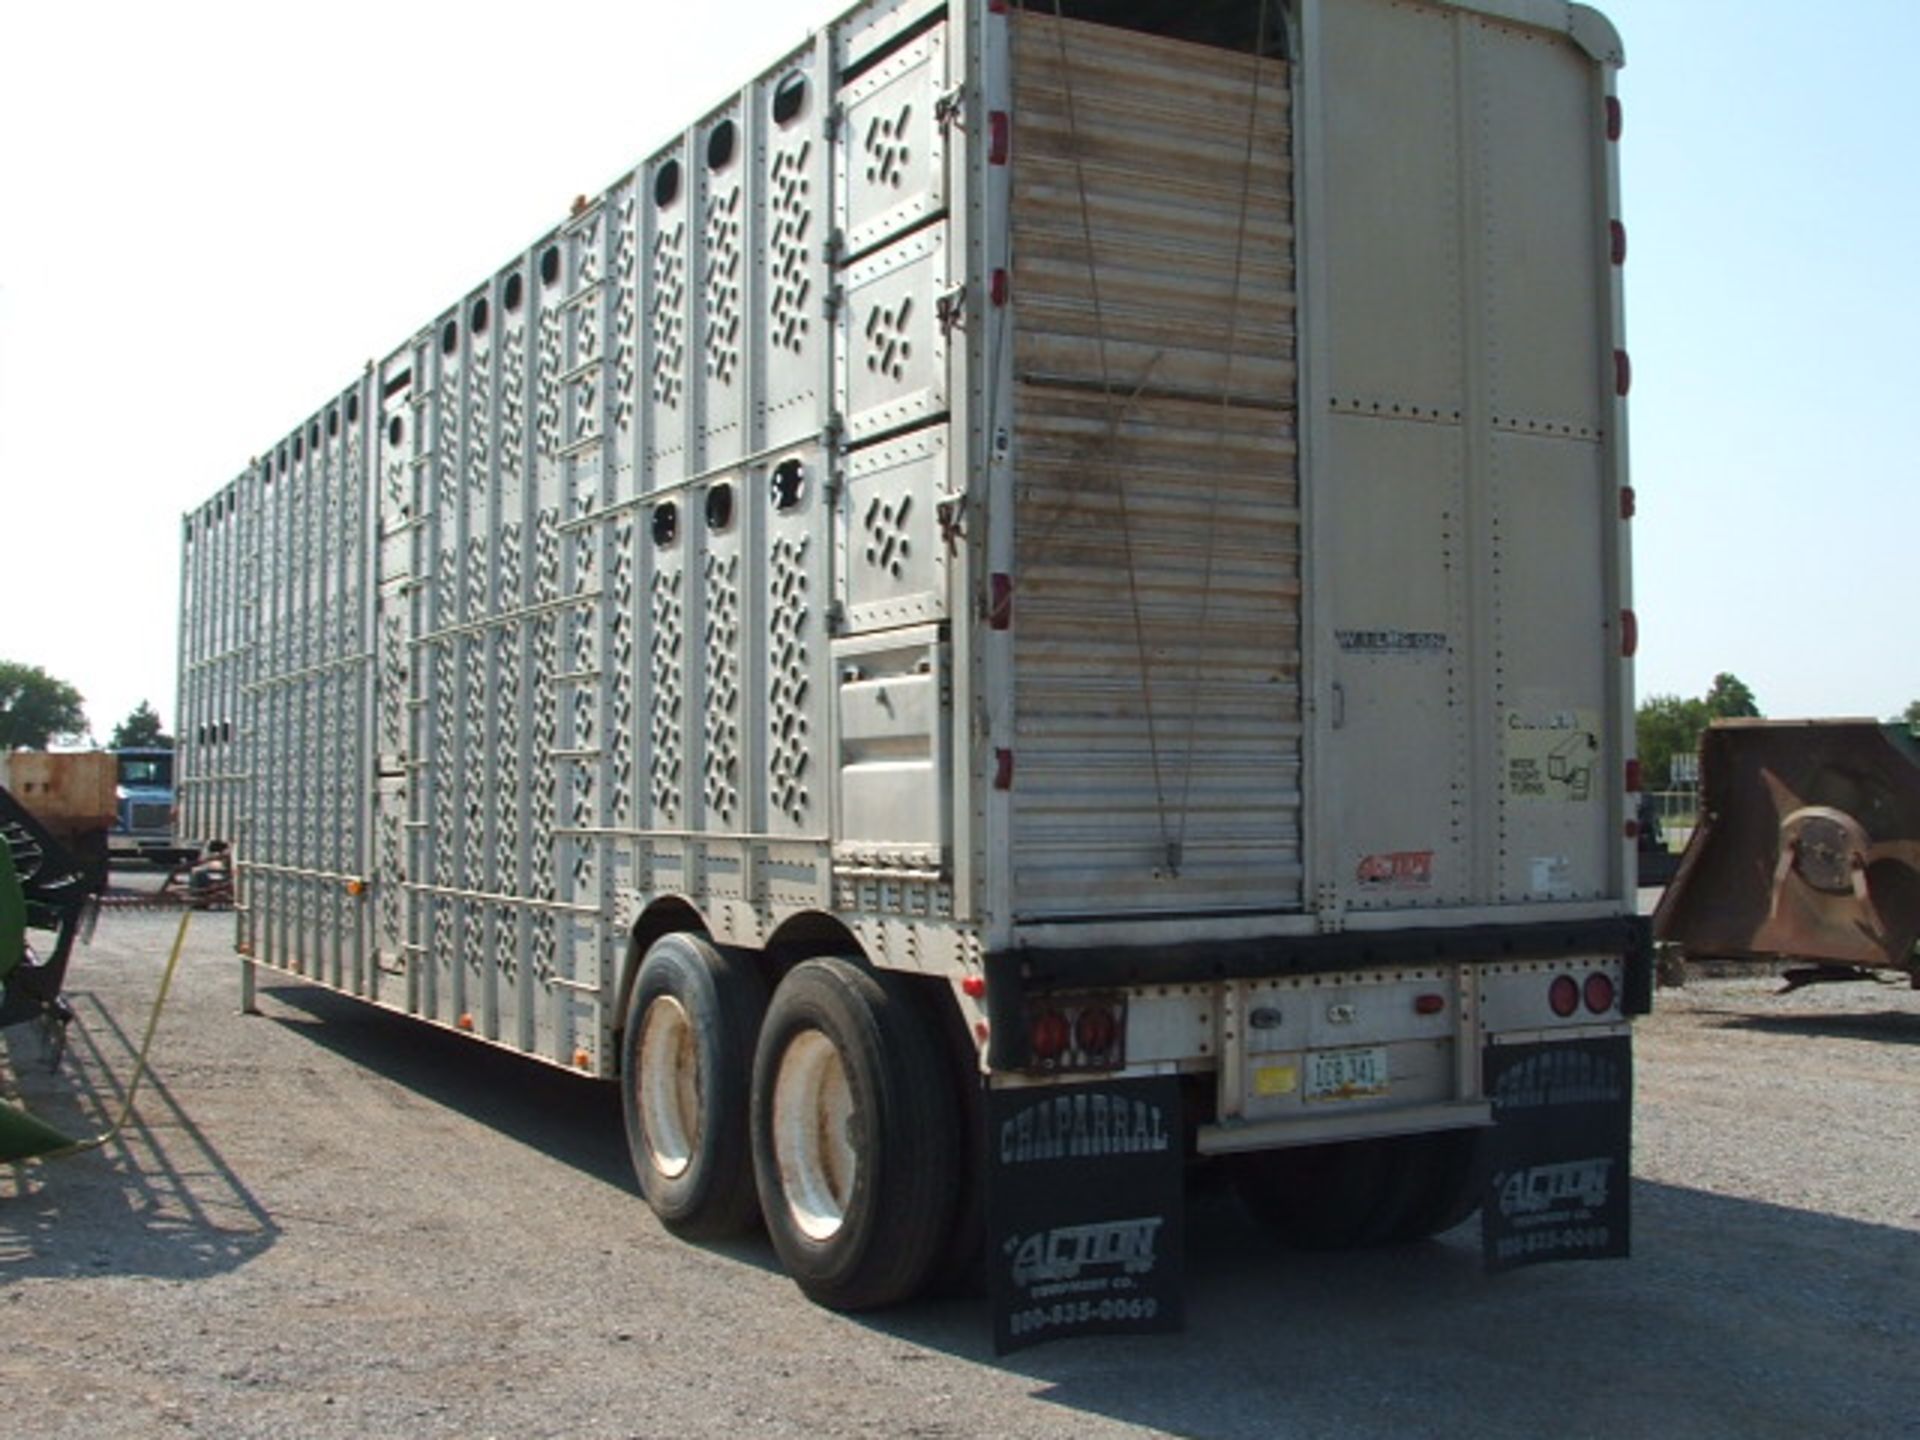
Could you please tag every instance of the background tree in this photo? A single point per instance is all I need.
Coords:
(141, 730)
(1665, 726)
(1670, 725)
(1728, 698)
(35, 708)
(1912, 715)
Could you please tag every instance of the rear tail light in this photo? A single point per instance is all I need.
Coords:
(1563, 996)
(1566, 994)
(1095, 1030)
(1050, 1035)
(1078, 1032)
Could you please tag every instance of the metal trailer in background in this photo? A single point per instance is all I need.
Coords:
(1807, 849)
(72, 796)
(1027, 600)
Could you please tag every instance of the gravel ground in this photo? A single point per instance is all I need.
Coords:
(332, 1222)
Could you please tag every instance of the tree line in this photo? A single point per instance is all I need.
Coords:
(38, 710)
(1670, 725)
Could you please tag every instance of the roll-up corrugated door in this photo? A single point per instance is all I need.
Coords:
(1157, 638)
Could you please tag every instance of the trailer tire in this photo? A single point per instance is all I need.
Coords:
(961, 1270)
(856, 1135)
(687, 1058)
(1361, 1193)
(1442, 1175)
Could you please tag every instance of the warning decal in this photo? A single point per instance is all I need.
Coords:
(1552, 755)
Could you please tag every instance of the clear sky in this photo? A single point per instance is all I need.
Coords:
(212, 215)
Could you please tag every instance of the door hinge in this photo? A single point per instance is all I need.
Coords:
(951, 308)
(949, 109)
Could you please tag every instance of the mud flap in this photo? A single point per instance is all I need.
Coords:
(1560, 1169)
(1085, 1210)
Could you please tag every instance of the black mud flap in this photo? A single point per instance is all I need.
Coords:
(1085, 1210)
(1557, 1186)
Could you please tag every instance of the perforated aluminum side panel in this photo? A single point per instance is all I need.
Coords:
(724, 290)
(790, 493)
(584, 681)
(294, 738)
(899, 151)
(795, 341)
(218, 591)
(893, 554)
(893, 341)
(893, 171)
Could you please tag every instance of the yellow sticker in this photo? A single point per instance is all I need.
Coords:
(1551, 754)
(1276, 1080)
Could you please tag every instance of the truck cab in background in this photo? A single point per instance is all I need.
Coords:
(144, 806)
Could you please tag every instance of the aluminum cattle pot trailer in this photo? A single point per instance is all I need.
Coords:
(1036, 598)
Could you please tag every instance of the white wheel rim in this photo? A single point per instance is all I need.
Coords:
(669, 1086)
(813, 1134)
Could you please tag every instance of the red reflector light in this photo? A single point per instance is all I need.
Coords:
(1633, 777)
(1616, 118)
(1627, 502)
(1622, 373)
(974, 986)
(1429, 1004)
(999, 137)
(1095, 1030)
(1629, 634)
(1617, 241)
(1051, 1035)
(1564, 995)
(1599, 993)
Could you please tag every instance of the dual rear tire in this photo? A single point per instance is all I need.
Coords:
(695, 1010)
(856, 1136)
(828, 1110)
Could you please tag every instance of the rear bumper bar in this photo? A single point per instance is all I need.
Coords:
(1014, 975)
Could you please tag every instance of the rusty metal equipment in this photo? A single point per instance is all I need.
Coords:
(1807, 848)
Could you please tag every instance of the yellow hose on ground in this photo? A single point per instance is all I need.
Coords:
(75, 1147)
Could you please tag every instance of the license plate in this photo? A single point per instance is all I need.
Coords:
(1347, 1074)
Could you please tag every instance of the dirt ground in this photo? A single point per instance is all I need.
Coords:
(328, 1221)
